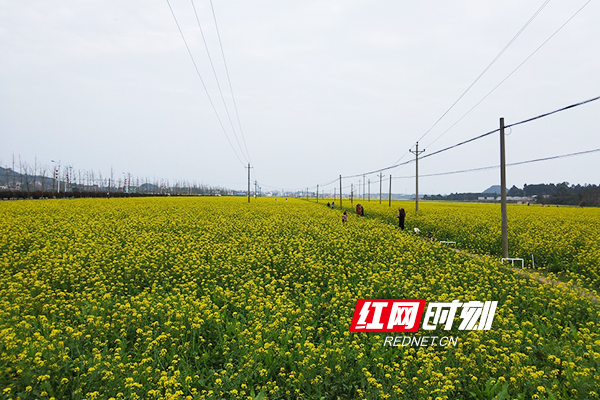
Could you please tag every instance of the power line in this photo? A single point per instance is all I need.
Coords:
(378, 170)
(229, 80)
(554, 112)
(579, 153)
(461, 143)
(508, 76)
(466, 141)
(515, 124)
(217, 80)
(513, 71)
(488, 67)
(203, 84)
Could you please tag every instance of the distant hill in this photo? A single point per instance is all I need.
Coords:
(149, 188)
(495, 189)
(8, 177)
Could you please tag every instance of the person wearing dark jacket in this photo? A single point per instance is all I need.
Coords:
(401, 216)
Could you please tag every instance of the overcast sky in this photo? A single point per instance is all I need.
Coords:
(322, 88)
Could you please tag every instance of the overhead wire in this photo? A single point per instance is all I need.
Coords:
(202, 81)
(553, 112)
(469, 140)
(513, 71)
(514, 124)
(217, 80)
(493, 61)
(579, 153)
(460, 144)
(379, 170)
(229, 81)
(488, 67)
(397, 163)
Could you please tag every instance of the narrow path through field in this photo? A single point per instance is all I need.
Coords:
(535, 275)
(538, 276)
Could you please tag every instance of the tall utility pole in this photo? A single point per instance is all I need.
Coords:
(390, 196)
(351, 194)
(363, 194)
(380, 180)
(369, 190)
(416, 153)
(317, 193)
(248, 182)
(503, 192)
(340, 192)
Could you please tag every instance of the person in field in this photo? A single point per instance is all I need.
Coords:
(345, 217)
(401, 216)
(358, 210)
(328, 205)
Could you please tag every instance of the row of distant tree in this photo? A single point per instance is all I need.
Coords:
(28, 183)
(544, 193)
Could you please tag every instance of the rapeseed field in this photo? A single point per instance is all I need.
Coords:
(562, 241)
(212, 298)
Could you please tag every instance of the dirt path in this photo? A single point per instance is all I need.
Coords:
(540, 277)
(565, 286)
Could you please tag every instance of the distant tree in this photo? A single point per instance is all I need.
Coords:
(43, 170)
(590, 196)
(539, 189)
(516, 192)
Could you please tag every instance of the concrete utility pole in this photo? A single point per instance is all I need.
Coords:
(317, 193)
(352, 194)
(503, 192)
(363, 192)
(248, 182)
(416, 153)
(340, 192)
(380, 180)
(369, 198)
(390, 196)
